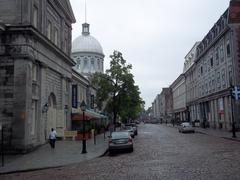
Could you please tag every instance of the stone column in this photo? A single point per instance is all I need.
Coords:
(22, 103)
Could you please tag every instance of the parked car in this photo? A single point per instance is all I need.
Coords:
(120, 140)
(137, 122)
(134, 126)
(186, 127)
(130, 130)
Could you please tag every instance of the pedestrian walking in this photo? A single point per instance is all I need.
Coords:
(52, 138)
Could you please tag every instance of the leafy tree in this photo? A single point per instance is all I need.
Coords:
(116, 88)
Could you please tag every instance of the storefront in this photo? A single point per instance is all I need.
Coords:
(92, 120)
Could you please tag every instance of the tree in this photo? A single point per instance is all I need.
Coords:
(116, 88)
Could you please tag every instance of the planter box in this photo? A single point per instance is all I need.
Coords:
(79, 137)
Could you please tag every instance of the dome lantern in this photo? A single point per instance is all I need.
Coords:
(85, 29)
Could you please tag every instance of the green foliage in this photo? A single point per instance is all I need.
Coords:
(117, 88)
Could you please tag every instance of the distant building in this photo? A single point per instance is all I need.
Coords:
(191, 84)
(156, 109)
(87, 52)
(35, 69)
(179, 99)
(165, 104)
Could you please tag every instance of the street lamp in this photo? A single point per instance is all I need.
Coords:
(232, 106)
(83, 108)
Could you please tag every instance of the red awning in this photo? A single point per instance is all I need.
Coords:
(88, 115)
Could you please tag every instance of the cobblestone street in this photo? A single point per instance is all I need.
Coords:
(160, 152)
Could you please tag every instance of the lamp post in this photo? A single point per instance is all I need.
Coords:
(232, 108)
(83, 108)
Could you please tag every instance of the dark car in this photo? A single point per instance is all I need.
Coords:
(120, 140)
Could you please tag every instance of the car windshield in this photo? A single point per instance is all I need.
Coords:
(119, 135)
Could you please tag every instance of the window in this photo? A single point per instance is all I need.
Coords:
(35, 16)
(210, 85)
(206, 88)
(223, 77)
(55, 36)
(85, 62)
(78, 63)
(85, 66)
(49, 29)
(217, 55)
(213, 84)
(34, 116)
(65, 48)
(98, 62)
(230, 72)
(228, 49)
(211, 61)
(221, 53)
(218, 79)
(92, 65)
(34, 72)
(201, 70)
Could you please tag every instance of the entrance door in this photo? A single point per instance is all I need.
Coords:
(51, 114)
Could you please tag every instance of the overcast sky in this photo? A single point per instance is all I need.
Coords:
(153, 35)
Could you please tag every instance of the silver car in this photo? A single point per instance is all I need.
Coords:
(186, 127)
(120, 140)
(130, 130)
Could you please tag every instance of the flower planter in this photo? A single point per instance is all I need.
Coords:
(79, 136)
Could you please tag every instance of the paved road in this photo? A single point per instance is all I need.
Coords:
(160, 153)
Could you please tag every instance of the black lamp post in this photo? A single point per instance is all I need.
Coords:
(232, 106)
(83, 108)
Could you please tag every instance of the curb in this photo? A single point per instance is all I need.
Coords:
(104, 154)
(227, 138)
(30, 170)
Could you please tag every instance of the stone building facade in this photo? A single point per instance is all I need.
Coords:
(165, 104)
(191, 84)
(156, 109)
(178, 88)
(35, 69)
(216, 68)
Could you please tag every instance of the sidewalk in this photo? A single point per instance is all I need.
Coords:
(214, 132)
(218, 133)
(65, 153)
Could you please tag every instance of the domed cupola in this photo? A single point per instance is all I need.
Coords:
(87, 53)
(86, 42)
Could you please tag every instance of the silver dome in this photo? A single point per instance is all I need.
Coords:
(86, 43)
